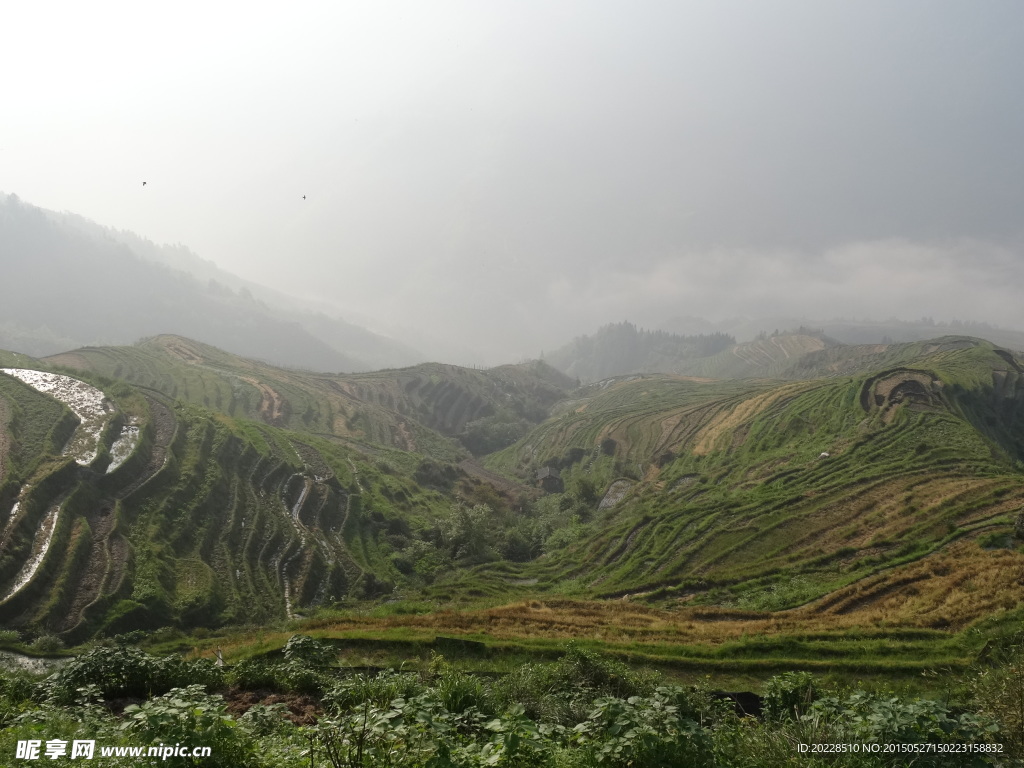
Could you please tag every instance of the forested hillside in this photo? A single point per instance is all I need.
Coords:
(621, 348)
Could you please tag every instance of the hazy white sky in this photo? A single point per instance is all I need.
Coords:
(514, 173)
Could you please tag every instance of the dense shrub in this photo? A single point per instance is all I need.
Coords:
(126, 671)
(255, 674)
(563, 692)
(191, 717)
(787, 696)
(302, 649)
(998, 693)
(582, 711)
(651, 731)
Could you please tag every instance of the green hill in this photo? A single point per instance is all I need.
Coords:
(622, 348)
(252, 493)
(865, 486)
(768, 494)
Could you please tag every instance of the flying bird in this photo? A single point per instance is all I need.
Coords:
(303, 197)
(143, 183)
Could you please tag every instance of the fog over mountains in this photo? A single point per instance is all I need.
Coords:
(71, 282)
(505, 177)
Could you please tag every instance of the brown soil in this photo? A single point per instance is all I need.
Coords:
(272, 405)
(164, 424)
(302, 709)
(402, 437)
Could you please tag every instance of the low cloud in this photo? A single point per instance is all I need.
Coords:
(508, 316)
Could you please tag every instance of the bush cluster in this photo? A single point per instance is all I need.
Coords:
(582, 711)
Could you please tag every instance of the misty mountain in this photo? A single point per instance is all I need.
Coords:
(70, 282)
(622, 348)
(866, 331)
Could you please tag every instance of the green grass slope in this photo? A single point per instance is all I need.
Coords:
(210, 520)
(765, 495)
(869, 486)
(419, 409)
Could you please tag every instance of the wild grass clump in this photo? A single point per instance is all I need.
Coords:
(997, 692)
(378, 690)
(563, 691)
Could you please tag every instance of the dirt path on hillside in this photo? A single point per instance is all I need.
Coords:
(183, 353)
(101, 521)
(271, 407)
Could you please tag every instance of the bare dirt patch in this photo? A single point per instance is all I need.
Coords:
(708, 438)
(272, 406)
(615, 494)
(916, 388)
(87, 588)
(403, 437)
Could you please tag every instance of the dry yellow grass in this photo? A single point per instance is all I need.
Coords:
(948, 590)
(710, 436)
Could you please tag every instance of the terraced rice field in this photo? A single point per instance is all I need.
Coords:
(85, 401)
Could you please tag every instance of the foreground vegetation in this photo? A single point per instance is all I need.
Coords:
(298, 707)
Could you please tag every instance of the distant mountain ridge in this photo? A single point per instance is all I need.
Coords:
(622, 349)
(70, 282)
(847, 331)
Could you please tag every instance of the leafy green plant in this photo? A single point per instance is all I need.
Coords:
(563, 691)
(190, 716)
(123, 670)
(518, 742)
(263, 720)
(876, 719)
(787, 696)
(254, 674)
(309, 651)
(643, 730)
(407, 732)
